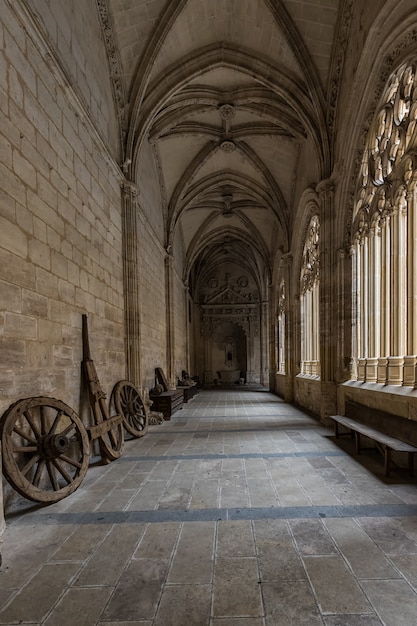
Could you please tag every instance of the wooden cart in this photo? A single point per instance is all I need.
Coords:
(46, 447)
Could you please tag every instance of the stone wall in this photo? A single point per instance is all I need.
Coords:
(76, 38)
(307, 394)
(60, 231)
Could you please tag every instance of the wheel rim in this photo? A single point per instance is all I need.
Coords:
(45, 447)
(112, 443)
(128, 401)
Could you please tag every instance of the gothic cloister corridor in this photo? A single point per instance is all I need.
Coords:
(241, 510)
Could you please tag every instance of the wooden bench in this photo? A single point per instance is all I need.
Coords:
(385, 443)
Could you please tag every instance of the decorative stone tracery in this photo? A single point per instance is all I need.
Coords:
(384, 240)
(309, 301)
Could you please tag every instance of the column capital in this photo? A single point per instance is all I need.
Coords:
(129, 188)
(325, 187)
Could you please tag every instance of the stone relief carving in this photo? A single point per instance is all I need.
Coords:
(311, 260)
(115, 65)
(281, 298)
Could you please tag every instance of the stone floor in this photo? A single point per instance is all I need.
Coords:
(240, 511)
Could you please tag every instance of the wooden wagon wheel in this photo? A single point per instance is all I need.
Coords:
(46, 450)
(128, 401)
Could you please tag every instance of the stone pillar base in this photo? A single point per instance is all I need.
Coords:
(395, 370)
(371, 370)
(409, 378)
(382, 370)
(362, 369)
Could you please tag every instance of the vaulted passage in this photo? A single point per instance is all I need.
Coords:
(224, 192)
(241, 507)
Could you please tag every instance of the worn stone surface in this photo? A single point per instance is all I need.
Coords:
(240, 566)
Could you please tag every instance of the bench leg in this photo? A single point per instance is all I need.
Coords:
(387, 456)
(411, 463)
(358, 442)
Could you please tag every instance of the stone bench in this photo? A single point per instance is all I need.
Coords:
(386, 443)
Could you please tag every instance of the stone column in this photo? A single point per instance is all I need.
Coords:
(187, 327)
(291, 302)
(131, 281)
(410, 361)
(328, 298)
(170, 326)
(398, 312)
(385, 295)
(354, 251)
(264, 338)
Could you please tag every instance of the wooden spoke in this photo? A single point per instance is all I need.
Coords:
(52, 477)
(32, 424)
(46, 450)
(62, 470)
(127, 400)
(24, 435)
(29, 464)
(55, 423)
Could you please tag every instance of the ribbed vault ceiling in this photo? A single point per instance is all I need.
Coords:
(230, 94)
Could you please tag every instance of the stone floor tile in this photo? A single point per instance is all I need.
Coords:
(277, 556)
(129, 623)
(363, 556)
(255, 468)
(158, 541)
(184, 604)
(234, 493)
(238, 621)
(262, 492)
(111, 556)
(311, 537)
(175, 498)
(388, 536)
(80, 606)
(81, 543)
(407, 565)
(352, 620)
(37, 598)
(290, 493)
(301, 461)
(133, 480)
(117, 500)
(193, 559)
(138, 591)
(393, 600)
(164, 470)
(290, 604)
(236, 589)
(148, 496)
(407, 525)
(205, 494)
(235, 539)
(336, 589)
(19, 567)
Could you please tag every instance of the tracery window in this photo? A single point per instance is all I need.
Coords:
(309, 301)
(281, 328)
(384, 242)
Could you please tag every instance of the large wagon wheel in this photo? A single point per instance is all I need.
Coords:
(128, 401)
(46, 450)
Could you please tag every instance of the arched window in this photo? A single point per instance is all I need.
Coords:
(281, 329)
(384, 242)
(309, 300)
